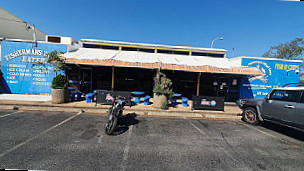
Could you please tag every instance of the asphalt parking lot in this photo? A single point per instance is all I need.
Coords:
(76, 141)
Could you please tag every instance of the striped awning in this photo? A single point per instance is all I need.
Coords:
(105, 57)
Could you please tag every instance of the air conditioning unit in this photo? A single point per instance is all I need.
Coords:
(61, 40)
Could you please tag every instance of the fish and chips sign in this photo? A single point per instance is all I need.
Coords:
(275, 73)
(24, 66)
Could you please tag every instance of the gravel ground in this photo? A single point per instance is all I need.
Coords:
(76, 141)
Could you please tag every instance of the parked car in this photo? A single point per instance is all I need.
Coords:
(281, 105)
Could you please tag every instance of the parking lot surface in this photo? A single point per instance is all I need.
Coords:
(76, 141)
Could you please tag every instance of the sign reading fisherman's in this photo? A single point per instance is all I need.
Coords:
(24, 66)
(24, 53)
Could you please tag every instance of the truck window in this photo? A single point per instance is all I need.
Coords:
(302, 99)
(285, 95)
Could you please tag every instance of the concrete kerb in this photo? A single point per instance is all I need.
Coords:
(104, 109)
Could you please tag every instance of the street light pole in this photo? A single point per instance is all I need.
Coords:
(32, 27)
(219, 38)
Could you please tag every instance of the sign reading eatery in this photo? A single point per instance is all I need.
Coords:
(24, 66)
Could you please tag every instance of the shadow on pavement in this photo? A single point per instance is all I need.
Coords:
(291, 132)
(125, 122)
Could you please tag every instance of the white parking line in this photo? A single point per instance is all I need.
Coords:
(285, 139)
(199, 130)
(126, 150)
(252, 127)
(215, 143)
(99, 140)
(10, 114)
(28, 140)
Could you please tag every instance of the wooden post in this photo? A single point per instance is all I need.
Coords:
(198, 83)
(113, 77)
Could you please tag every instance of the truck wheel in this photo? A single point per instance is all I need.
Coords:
(250, 115)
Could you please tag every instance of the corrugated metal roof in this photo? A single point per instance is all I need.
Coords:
(153, 45)
(105, 57)
(12, 27)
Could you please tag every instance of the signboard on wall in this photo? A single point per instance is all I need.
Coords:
(274, 76)
(24, 66)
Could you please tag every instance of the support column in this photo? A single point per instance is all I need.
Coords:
(198, 83)
(113, 77)
(91, 90)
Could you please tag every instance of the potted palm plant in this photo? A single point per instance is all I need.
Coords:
(161, 90)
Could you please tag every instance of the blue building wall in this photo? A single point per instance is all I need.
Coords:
(274, 76)
(25, 69)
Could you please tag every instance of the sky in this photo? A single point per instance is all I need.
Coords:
(249, 27)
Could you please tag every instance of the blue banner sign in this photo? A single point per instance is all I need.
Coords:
(24, 66)
(276, 73)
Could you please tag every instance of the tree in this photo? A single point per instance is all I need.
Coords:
(57, 61)
(290, 50)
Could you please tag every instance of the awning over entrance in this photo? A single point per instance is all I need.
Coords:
(106, 57)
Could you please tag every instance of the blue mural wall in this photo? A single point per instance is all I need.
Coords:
(274, 76)
(24, 66)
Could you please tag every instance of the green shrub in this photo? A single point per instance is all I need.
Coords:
(60, 82)
(164, 106)
(162, 85)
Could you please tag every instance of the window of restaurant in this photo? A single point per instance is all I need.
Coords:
(184, 83)
(134, 79)
(207, 54)
(102, 78)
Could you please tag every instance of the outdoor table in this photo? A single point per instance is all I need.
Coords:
(173, 100)
(73, 82)
(137, 95)
(176, 95)
(72, 88)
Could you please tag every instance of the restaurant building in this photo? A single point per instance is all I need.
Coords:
(125, 66)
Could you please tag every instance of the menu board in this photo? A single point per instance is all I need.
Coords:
(24, 66)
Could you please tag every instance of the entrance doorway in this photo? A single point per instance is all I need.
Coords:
(220, 86)
(228, 88)
(85, 80)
